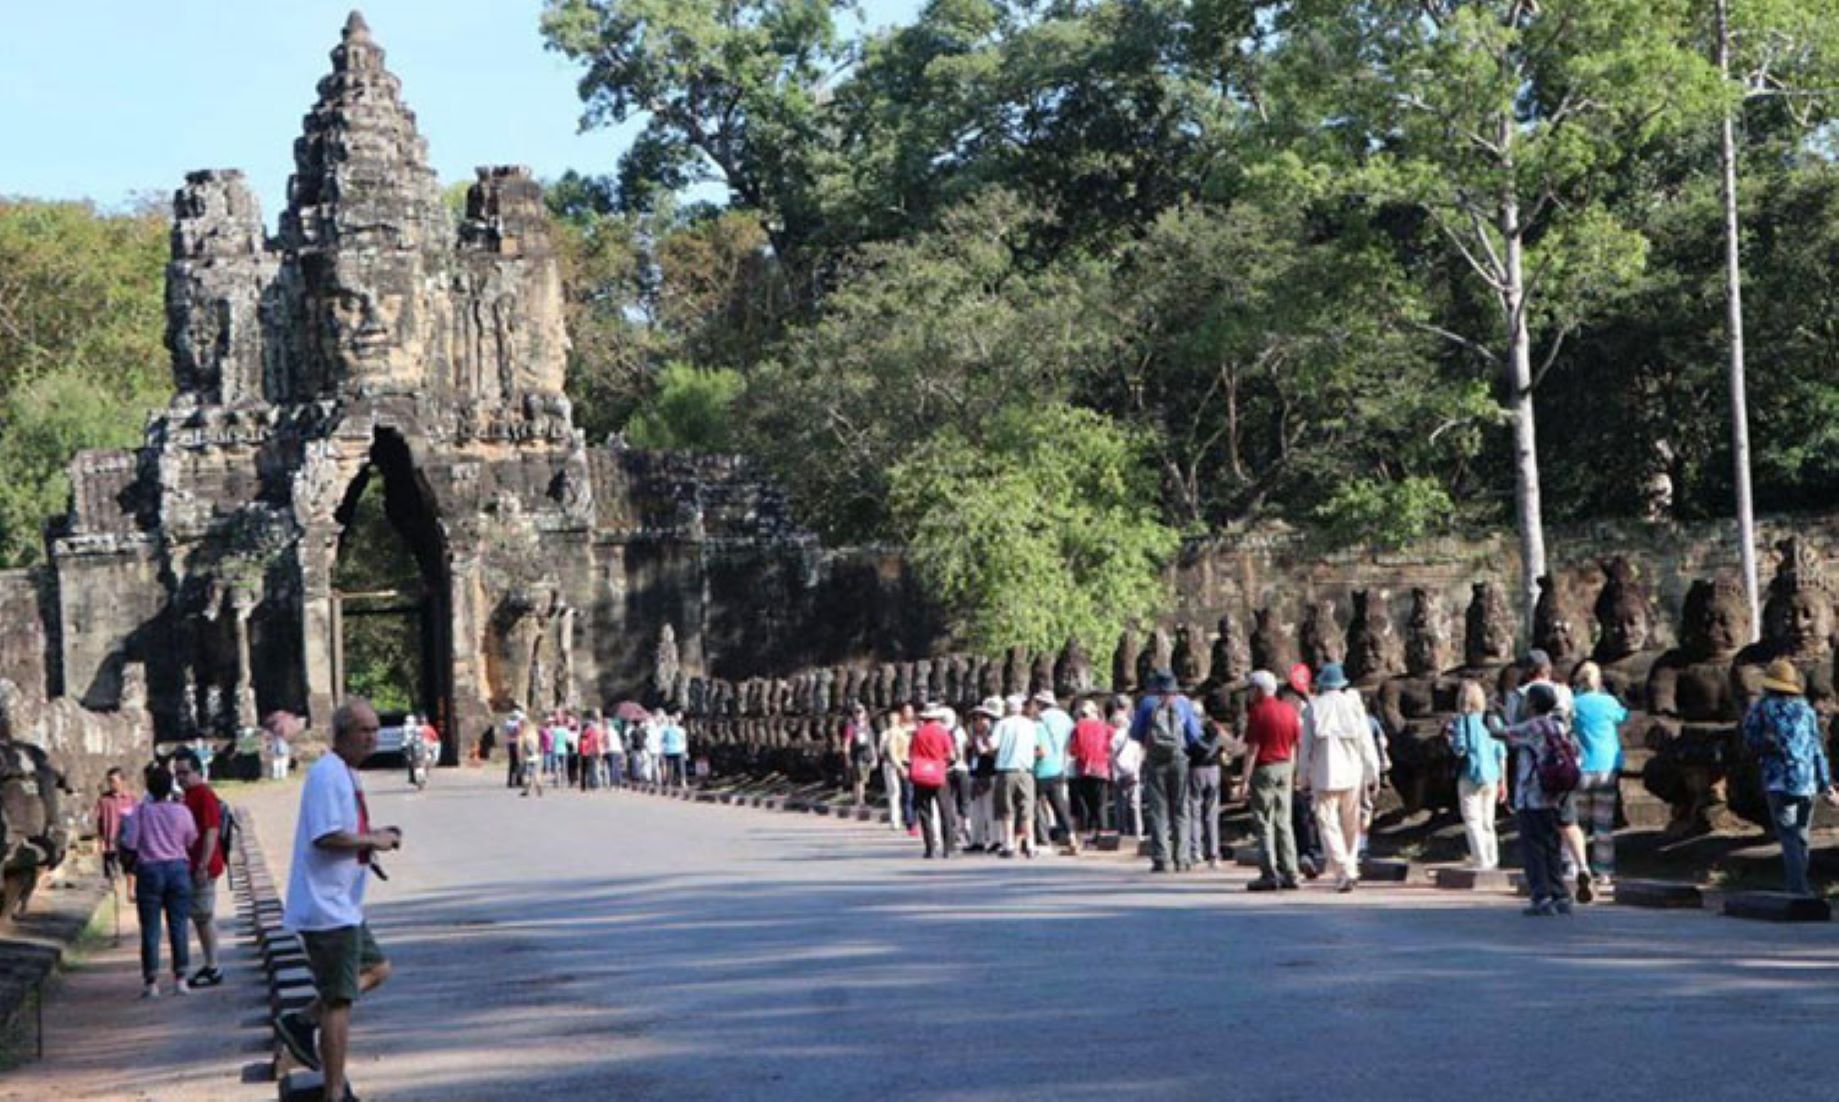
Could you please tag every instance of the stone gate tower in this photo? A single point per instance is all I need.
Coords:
(372, 336)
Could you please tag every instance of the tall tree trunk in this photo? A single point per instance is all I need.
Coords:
(1520, 396)
(1733, 306)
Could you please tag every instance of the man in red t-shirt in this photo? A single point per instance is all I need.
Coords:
(1272, 729)
(207, 859)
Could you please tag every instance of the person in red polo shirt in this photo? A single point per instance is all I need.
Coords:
(207, 859)
(1272, 728)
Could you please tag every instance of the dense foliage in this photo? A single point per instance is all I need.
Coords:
(81, 359)
(1317, 260)
(1290, 258)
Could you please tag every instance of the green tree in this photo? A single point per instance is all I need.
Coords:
(731, 91)
(945, 330)
(1269, 364)
(82, 318)
(1502, 120)
(604, 261)
(1044, 529)
(47, 421)
(690, 410)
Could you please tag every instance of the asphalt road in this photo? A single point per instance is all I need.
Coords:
(620, 946)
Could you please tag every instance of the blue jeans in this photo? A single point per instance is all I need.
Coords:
(1792, 818)
(163, 887)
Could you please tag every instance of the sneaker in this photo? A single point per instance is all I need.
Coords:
(1158, 866)
(1289, 885)
(1213, 863)
(1585, 893)
(180, 987)
(1005, 853)
(150, 991)
(299, 1036)
(1562, 906)
(1262, 884)
(1344, 885)
(209, 976)
(1541, 908)
(1311, 870)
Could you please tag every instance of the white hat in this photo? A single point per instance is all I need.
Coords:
(1013, 705)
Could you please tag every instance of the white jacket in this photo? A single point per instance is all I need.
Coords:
(1337, 751)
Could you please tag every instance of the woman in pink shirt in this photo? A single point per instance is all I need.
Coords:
(161, 834)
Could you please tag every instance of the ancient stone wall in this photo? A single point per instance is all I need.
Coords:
(1281, 569)
(23, 644)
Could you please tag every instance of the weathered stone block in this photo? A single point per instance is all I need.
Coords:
(1385, 870)
(1777, 907)
(1487, 880)
(1658, 893)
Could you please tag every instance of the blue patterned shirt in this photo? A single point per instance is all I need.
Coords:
(1784, 733)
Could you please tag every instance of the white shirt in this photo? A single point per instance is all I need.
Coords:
(325, 887)
(1336, 752)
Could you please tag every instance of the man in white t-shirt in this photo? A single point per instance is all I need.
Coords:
(334, 847)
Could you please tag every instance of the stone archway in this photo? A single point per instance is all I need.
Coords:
(424, 600)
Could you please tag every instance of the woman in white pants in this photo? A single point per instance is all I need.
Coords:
(1481, 760)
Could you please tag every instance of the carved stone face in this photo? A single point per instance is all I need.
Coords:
(1424, 638)
(1800, 622)
(1488, 640)
(1723, 627)
(371, 302)
(1369, 637)
(1554, 626)
(1625, 629)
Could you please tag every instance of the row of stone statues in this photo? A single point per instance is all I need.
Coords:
(1685, 701)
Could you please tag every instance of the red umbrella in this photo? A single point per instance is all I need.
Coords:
(631, 712)
(286, 724)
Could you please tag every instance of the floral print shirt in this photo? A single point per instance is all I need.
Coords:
(1784, 733)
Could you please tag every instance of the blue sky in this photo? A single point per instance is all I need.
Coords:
(108, 100)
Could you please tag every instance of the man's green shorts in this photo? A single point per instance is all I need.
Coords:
(337, 957)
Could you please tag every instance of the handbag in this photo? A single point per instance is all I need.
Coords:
(927, 772)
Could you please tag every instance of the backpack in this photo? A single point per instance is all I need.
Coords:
(1557, 764)
(227, 829)
(1207, 750)
(1128, 761)
(1166, 738)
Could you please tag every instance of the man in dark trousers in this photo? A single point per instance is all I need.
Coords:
(1168, 728)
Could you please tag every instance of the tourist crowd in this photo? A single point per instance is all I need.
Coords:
(1022, 776)
(168, 848)
(565, 750)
